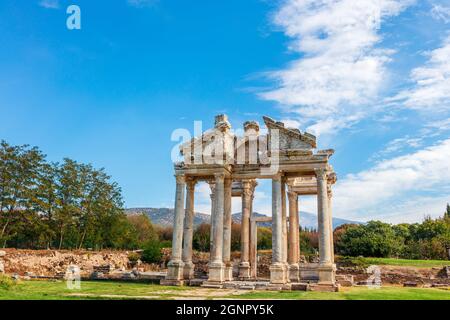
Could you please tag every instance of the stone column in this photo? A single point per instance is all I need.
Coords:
(212, 186)
(216, 266)
(188, 272)
(284, 220)
(227, 220)
(244, 266)
(175, 265)
(326, 270)
(293, 257)
(277, 268)
(330, 210)
(253, 249)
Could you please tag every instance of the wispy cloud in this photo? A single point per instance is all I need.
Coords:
(440, 12)
(49, 4)
(431, 89)
(398, 145)
(340, 70)
(390, 183)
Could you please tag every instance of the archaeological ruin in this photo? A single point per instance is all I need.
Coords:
(231, 164)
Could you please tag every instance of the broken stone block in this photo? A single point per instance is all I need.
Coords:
(410, 284)
(2, 267)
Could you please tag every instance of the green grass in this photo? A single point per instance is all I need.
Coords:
(402, 262)
(356, 293)
(52, 290)
(57, 290)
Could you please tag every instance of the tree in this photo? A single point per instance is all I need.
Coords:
(143, 228)
(201, 237)
(19, 168)
(264, 238)
(374, 239)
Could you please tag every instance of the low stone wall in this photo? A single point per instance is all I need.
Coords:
(50, 263)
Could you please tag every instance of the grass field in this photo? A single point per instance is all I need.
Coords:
(52, 290)
(402, 262)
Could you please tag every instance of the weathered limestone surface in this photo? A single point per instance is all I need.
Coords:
(188, 271)
(227, 220)
(176, 265)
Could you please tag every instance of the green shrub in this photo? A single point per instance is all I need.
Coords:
(6, 282)
(152, 252)
(133, 257)
(165, 244)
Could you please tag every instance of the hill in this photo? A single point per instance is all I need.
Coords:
(164, 217)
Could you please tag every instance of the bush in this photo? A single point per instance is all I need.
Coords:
(6, 282)
(166, 244)
(133, 257)
(152, 252)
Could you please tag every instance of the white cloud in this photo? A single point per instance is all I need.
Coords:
(440, 12)
(371, 193)
(398, 145)
(340, 68)
(49, 4)
(431, 90)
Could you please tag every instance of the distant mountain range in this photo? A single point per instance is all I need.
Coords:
(164, 217)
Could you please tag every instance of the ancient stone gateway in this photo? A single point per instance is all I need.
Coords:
(231, 164)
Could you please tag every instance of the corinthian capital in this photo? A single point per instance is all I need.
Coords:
(181, 179)
(191, 182)
(321, 173)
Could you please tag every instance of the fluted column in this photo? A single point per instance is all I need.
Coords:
(277, 268)
(284, 220)
(326, 272)
(330, 210)
(212, 186)
(244, 266)
(216, 266)
(175, 265)
(293, 257)
(188, 272)
(227, 220)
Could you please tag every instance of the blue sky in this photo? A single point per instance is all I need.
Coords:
(112, 93)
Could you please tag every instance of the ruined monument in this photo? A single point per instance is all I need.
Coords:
(231, 163)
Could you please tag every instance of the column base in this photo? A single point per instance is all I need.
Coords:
(174, 283)
(188, 270)
(244, 271)
(278, 273)
(216, 272)
(327, 274)
(175, 270)
(294, 273)
(228, 272)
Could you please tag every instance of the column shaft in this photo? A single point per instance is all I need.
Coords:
(284, 220)
(330, 211)
(244, 266)
(216, 266)
(188, 231)
(323, 218)
(278, 267)
(178, 219)
(293, 229)
(227, 221)
(175, 265)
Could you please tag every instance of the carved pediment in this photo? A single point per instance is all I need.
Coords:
(291, 138)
